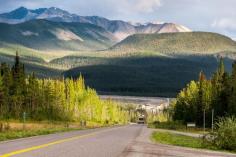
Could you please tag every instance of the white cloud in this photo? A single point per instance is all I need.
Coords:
(141, 6)
(200, 15)
(113, 7)
(225, 23)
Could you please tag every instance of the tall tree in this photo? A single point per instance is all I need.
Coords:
(232, 100)
(1, 97)
(200, 104)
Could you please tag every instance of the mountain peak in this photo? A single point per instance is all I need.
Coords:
(21, 8)
(39, 11)
(120, 29)
(18, 13)
(172, 27)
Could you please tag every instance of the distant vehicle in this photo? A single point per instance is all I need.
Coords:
(141, 120)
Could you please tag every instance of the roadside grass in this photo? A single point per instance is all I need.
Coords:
(16, 129)
(177, 126)
(177, 140)
(183, 141)
(9, 135)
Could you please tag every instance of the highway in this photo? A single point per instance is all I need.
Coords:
(120, 141)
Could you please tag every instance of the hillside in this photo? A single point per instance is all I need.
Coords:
(45, 35)
(152, 65)
(177, 43)
(150, 76)
(120, 29)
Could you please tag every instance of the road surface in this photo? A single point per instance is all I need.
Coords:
(125, 141)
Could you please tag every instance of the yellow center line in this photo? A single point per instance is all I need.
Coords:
(52, 143)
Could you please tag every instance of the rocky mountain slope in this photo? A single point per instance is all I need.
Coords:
(120, 29)
(47, 35)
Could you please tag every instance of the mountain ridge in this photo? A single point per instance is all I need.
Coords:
(120, 29)
(177, 43)
(48, 35)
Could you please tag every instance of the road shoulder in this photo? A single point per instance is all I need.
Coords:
(142, 146)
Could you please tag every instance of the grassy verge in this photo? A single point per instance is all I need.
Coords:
(181, 140)
(9, 135)
(177, 140)
(15, 129)
(177, 126)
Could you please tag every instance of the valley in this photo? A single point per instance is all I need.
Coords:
(154, 59)
(117, 78)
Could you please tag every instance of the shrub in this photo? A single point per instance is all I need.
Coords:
(225, 135)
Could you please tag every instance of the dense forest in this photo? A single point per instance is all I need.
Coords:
(217, 95)
(56, 100)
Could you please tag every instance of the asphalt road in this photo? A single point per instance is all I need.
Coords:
(126, 141)
(104, 142)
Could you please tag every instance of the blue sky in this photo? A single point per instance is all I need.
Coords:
(199, 15)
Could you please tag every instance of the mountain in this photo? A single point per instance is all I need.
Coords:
(152, 64)
(202, 43)
(154, 59)
(172, 28)
(47, 35)
(120, 29)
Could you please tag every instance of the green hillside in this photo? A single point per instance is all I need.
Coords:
(151, 76)
(45, 35)
(152, 65)
(177, 43)
(137, 66)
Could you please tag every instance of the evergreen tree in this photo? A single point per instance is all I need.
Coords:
(221, 67)
(219, 94)
(232, 99)
(200, 107)
(1, 97)
(224, 96)
(218, 81)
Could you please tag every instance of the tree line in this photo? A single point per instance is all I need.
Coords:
(216, 94)
(57, 100)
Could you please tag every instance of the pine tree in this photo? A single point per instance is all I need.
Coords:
(200, 104)
(218, 82)
(221, 67)
(1, 97)
(7, 84)
(232, 100)
(225, 95)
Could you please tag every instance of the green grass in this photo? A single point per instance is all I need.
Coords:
(177, 126)
(177, 140)
(183, 141)
(9, 135)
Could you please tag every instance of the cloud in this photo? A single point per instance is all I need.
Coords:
(121, 6)
(225, 23)
(141, 6)
(209, 15)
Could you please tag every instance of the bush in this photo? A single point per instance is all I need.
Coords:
(225, 135)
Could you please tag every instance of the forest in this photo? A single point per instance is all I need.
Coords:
(54, 100)
(216, 96)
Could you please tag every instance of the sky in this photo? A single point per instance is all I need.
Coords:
(199, 15)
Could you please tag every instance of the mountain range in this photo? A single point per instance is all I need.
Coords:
(120, 29)
(114, 56)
